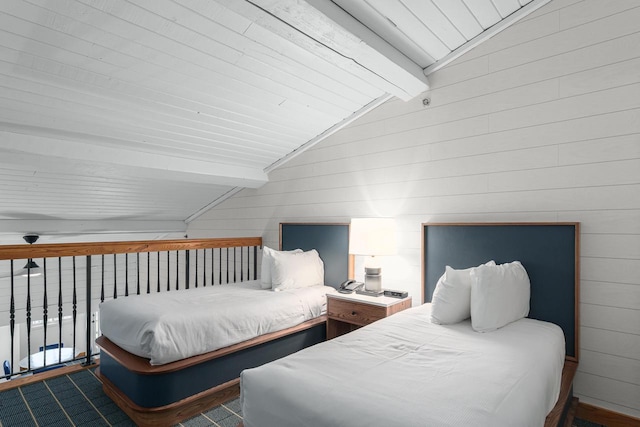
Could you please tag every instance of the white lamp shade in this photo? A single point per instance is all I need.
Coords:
(372, 236)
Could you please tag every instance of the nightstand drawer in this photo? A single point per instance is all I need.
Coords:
(354, 312)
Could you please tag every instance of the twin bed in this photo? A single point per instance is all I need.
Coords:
(168, 356)
(172, 326)
(406, 370)
(402, 370)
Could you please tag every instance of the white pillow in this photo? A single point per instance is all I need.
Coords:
(265, 270)
(499, 295)
(451, 301)
(296, 270)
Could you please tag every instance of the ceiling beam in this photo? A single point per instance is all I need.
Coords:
(367, 48)
(323, 28)
(23, 146)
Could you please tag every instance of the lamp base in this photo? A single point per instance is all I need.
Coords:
(373, 279)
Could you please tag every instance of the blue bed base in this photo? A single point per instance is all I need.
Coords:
(172, 387)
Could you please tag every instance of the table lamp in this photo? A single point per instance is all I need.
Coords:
(372, 237)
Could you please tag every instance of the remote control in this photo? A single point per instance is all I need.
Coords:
(395, 294)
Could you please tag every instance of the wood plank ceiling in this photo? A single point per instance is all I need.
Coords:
(133, 116)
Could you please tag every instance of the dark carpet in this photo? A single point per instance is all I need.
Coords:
(78, 400)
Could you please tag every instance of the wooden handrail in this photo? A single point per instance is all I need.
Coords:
(49, 250)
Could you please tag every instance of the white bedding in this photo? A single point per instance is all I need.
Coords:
(170, 326)
(406, 371)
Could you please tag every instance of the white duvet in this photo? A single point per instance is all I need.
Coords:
(405, 371)
(174, 325)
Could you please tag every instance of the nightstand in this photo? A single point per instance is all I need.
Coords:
(347, 312)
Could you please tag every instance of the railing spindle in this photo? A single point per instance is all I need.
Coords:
(89, 313)
(44, 309)
(126, 275)
(148, 272)
(137, 273)
(255, 263)
(186, 268)
(115, 278)
(59, 300)
(196, 275)
(74, 311)
(158, 272)
(102, 281)
(177, 270)
(168, 272)
(12, 317)
(29, 314)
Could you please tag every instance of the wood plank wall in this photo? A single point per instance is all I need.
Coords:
(540, 123)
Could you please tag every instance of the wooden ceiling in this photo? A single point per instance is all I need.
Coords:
(135, 116)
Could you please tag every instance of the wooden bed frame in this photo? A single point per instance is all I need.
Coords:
(167, 394)
(549, 252)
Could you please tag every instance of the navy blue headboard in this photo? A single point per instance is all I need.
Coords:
(548, 251)
(330, 240)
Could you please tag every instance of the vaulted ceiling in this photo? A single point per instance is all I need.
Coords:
(136, 116)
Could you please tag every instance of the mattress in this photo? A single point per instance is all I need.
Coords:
(170, 326)
(404, 370)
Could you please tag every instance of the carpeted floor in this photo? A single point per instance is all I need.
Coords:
(77, 399)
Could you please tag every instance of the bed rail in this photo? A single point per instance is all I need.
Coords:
(41, 304)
